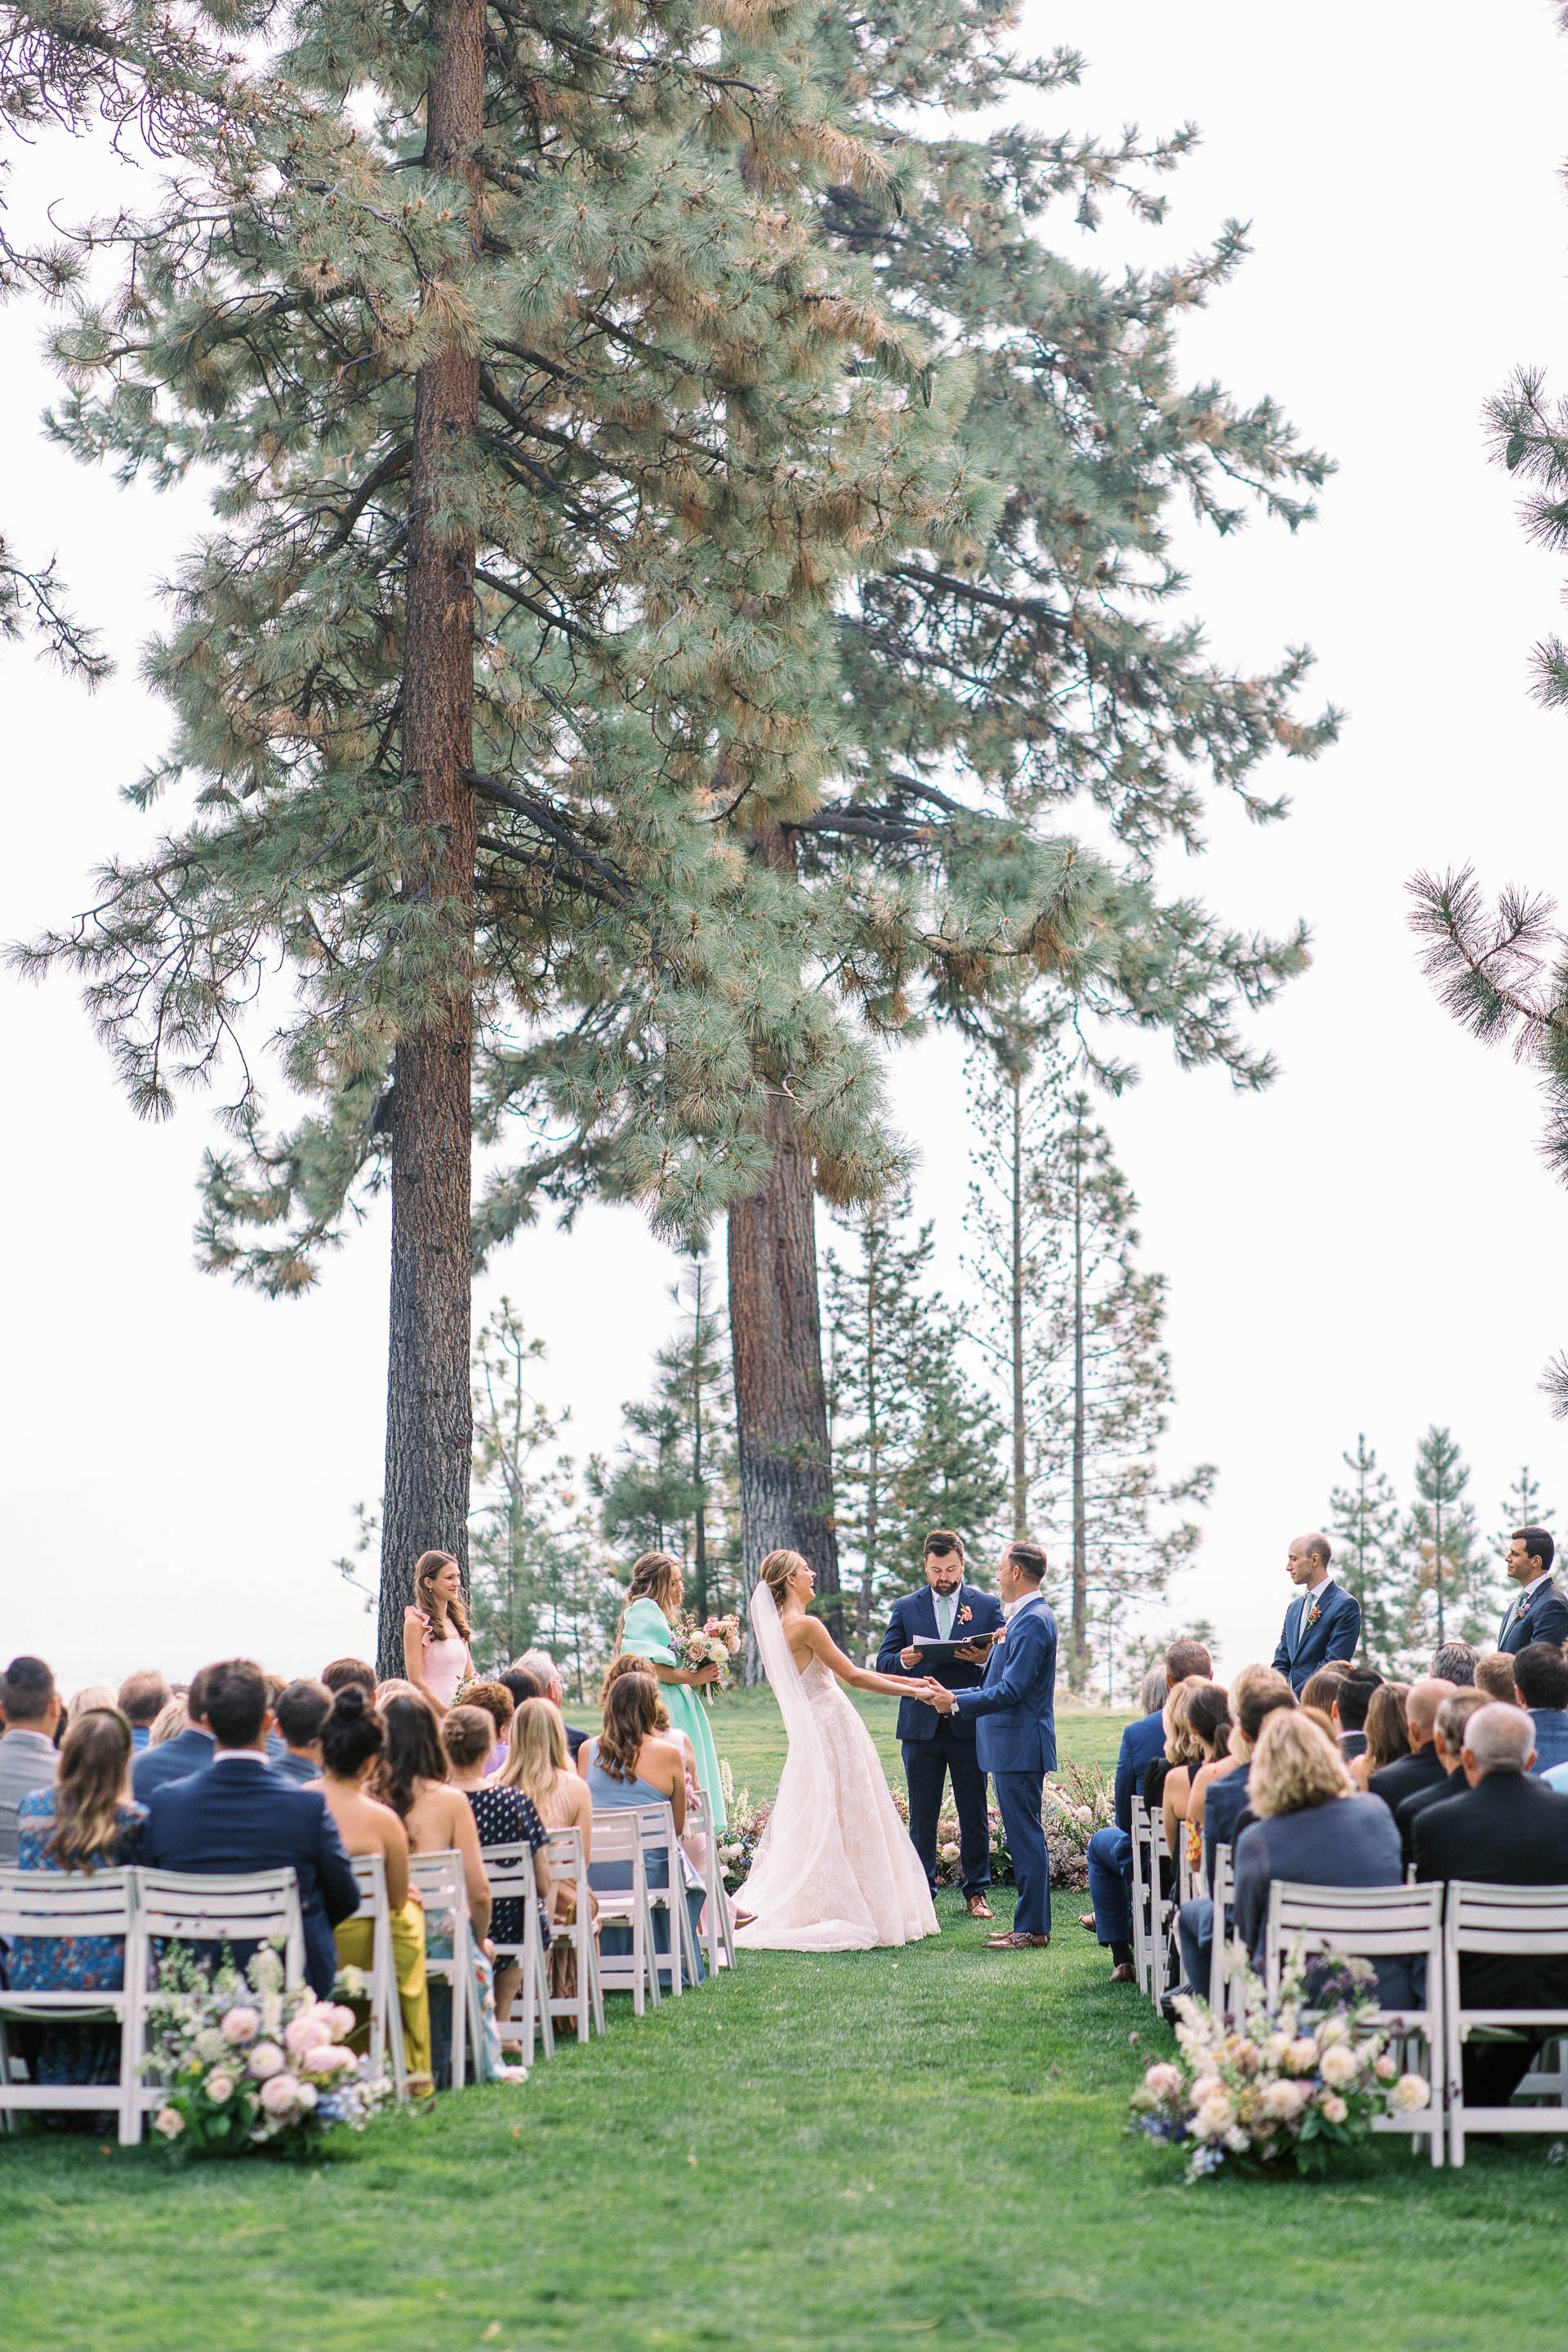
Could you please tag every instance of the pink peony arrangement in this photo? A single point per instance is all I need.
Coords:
(272, 2071)
(713, 1644)
(1283, 2086)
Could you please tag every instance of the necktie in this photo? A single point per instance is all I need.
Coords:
(945, 1604)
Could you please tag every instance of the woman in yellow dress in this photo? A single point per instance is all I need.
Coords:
(653, 1606)
(351, 1740)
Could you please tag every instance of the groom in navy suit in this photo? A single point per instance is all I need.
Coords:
(944, 1609)
(1016, 1736)
(1322, 1622)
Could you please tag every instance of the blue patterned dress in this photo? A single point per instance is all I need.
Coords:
(71, 2053)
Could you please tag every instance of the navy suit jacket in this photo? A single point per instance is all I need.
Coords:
(1545, 1618)
(173, 1760)
(243, 1816)
(1224, 1805)
(1014, 1708)
(1550, 1737)
(297, 1768)
(1303, 1648)
(1141, 1743)
(916, 1613)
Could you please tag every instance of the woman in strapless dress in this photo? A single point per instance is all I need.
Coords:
(435, 1656)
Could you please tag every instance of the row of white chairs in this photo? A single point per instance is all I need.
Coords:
(1432, 1926)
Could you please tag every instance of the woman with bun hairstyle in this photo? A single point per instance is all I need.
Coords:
(652, 1610)
(353, 1738)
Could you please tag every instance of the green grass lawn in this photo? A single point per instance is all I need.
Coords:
(847, 2153)
(746, 1728)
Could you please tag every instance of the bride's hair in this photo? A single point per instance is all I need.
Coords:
(776, 1570)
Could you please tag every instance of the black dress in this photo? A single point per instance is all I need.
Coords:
(506, 1817)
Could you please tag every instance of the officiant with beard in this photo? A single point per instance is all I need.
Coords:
(945, 1607)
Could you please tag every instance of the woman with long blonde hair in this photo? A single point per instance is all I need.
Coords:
(86, 1820)
(435, 1656)
(537, 1763)
(648, 1627)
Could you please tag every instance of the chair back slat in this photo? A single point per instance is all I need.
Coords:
(66, 1903)
(225, 1908)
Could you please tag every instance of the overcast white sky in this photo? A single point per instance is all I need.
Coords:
(1373, 1245)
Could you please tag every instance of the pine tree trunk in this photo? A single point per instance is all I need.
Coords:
(1020, 1457)
(781, 1399)
(429, 1409)
(873, 1452)
(1079, 1511)
(699, 1512)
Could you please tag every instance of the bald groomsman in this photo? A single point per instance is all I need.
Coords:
(1323, 1621)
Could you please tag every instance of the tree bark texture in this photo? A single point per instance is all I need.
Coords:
(429, 1409)
(1020, 1443)
(1080, 1414)
(781, 1397)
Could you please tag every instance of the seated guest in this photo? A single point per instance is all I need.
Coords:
(1324, 1721)
(28, 1758)
(344, 1670)
(1453, 1662)
(1447, 1740)
(1312, 1828)
(1494, 1675)
(628, 1766)
(1387, 1734)
(543, 1668)
(1321, 1689)
(498, 1704)
(275, 1743)
(1201, 1722)
(503, 1817)
(237, 1814)
(172, 1717)
(1259, 1692)
(1110, 1850)
(301, 1709)
(91, 1699)
(1348, 1711)
(187, 1751)
(537, 1765)
(1509, 1828)
(1422, 1768)
(142, 1699)
(1541, 1676)
(1176, 1749)
(351, 1740)
(84, 1821)
(521, 1683)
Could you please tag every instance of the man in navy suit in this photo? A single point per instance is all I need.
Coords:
(238, 1814)
(1322, 1622)
(1541, 1678)
(1016, 1736)
(1109, 1853)
(188, 1751)
(945, 1609)
(1540, 1613)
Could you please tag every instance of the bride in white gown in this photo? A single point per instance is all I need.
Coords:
(835, 1869)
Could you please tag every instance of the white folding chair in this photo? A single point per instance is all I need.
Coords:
(1518, 1923)
(35, 1904)
(386, 2050)
(226, 1909)
(658, 1826)
(438, 1879)
(617, 1838)
(1374, 1923)
(1160, 1911)
(1220, 1966)
(718, 1928)
(568, 1866)
(509, 1869)
(1141, 1904)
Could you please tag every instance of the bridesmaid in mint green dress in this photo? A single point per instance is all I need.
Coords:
(648, 1630)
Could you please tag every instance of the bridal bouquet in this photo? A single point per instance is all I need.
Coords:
(248, 2062)
(711, 1645)
(1279, 2088)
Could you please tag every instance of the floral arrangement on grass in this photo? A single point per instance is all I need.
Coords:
(744, 1824)
(1073, 1806)
(247, 2062)
(713, 1644)
(1279, 2087)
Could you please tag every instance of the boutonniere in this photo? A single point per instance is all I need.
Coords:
(1313, 1614)
(964, 1614)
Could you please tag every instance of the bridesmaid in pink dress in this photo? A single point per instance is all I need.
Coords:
(435, 1656)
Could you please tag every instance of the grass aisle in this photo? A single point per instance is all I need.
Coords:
(851, 2151)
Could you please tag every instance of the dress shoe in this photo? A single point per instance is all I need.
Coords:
(1014, 1942)
(979, 1908)
(1125, 1973)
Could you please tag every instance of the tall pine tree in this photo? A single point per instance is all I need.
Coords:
(1364, 1519)
(1453, 1596)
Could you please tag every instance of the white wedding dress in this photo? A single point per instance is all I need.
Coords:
(835, 1869)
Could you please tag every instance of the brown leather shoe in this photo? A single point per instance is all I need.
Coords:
(979, 1908)
(1086, 1919)
(1014, 1942)
(1125, 1973)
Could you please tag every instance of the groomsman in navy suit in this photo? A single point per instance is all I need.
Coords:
(944, 1609)
(1015, 1739)
(1323, 1621)
(1540, 1613)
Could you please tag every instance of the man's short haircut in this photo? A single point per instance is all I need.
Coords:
(344, 1670)
(540, 1663)
(1538, 1545)
(143, 1696)
(1029, 1560)
(1455, 1714)
(1319, 1547)
(1499, 1738)
(25, 1690)
(1259, 1701)
(940, 1542)
(235, 1701)
(1541, 1675)
(1151, 1691)
(523, 1684)
(1455, 1663)
(1495, 1675)
(301, 1708)
(1185, 1659)
(1354, 1696)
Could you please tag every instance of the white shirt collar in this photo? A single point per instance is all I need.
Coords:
(238, 1756)
(1028, 1601)
(1315, 1591)
(1545, 1577)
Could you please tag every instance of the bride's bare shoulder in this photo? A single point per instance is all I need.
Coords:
(807, 1638)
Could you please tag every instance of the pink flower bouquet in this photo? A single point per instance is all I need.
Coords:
(713, 1644)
